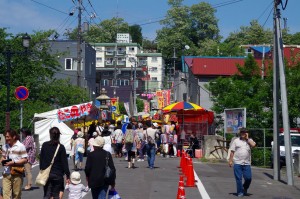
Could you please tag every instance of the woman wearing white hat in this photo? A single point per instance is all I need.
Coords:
(79, 149)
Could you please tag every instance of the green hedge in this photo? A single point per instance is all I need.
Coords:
(258, 157)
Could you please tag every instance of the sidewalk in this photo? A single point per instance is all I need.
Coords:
(218, 180)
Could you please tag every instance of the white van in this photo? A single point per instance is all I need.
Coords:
(295, 142)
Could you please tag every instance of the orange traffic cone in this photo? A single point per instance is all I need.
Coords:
(181, 191)
(178, 153)
(190, 182)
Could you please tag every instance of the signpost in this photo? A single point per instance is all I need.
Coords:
(113, 108)
(21, 93)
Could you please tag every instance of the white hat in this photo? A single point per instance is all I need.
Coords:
(79, 134)
(75, 177)
(95, 134)
(99, 141)
(155, 124)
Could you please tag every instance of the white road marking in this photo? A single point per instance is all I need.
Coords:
(201, 188)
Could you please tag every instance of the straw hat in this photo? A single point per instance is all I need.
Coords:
(99, 141)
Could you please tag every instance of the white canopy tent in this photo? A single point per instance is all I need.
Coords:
(57, 118)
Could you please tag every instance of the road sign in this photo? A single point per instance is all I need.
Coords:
(113, 108)
(21, 93)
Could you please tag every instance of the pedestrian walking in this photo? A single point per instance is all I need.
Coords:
(151, 146)
(72, 143)
(141, 142)
(30, 149)
(76, 188)
(91, 142)
(130, 145)
(240, 158)
(118, 140)
(96, 161)
(14, 156)
(60, 165)
(106, 134)
(79, 150)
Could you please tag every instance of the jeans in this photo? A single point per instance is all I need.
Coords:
(241, 171)
(99, 192)
(151, 154)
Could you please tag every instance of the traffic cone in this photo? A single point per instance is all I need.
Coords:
(178, 153)
(190, 182)
(181, 191)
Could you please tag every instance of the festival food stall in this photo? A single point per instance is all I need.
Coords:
(65, 119)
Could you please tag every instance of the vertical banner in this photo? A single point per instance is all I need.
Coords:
(234, 119)
(126, 106)
(146, 107)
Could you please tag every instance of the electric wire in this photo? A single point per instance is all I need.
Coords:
(267, 18)
(49, 7)
(271, 4)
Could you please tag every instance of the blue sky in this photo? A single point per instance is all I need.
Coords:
(29, 15)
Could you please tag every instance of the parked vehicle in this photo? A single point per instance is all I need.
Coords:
(295, 144)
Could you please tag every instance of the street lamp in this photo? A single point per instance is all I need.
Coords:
(8, 54)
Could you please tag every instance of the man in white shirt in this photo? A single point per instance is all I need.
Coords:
(240, 158)
(14, 156)
(151, 147)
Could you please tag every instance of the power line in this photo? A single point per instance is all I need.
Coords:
(50, 7)
(271, 4)
(268, 17)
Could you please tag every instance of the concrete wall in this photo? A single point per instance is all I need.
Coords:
(213, 148)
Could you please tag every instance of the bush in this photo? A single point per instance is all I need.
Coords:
(258, 157)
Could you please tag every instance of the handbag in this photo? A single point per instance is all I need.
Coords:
(80, 149)
(113, 194)
(43, 175)
(109, 173)
(17, 170)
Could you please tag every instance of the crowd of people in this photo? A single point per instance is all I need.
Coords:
(134, 141)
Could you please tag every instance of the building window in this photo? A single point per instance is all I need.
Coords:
(121, 51)
(104, 82)
(109, 51)
(121, 61)
(109, 61)
(105, 73)
(68, 64)
(154, 59)
(126, 74)
(154, 78)
(131, 49)
(154, 69)
(99, 59)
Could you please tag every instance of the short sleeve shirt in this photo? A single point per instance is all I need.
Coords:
(16, 153)
(242, 152)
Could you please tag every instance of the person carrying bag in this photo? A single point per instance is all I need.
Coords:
(43, 175)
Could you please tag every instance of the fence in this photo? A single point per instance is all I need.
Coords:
(261, 154)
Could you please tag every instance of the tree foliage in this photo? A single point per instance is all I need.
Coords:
(106, 31)
(195, 26)
(34, 69)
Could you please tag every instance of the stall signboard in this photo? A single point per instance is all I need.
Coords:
(73, 112)
(234, 119)
(163, 98)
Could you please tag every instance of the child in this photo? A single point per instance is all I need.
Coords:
(76, 188)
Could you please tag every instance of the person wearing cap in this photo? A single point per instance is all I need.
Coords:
(60, 165)
(151, 148)
(240, 159)
(96, 161)
(76, 188)
(91, 142)
(79, 150)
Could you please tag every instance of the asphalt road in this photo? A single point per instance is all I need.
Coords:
(215, 181)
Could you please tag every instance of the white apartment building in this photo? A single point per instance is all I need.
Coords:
(117, 62)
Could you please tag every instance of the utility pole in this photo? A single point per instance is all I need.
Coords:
(79, 50)
(115, 70)
(285, 111)
(134, 90)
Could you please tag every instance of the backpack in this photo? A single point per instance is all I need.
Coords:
(129, 137)
(150, 139)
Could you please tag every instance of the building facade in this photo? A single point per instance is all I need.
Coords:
(123, 67)
(86, 76)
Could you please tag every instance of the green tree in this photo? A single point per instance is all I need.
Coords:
(195, 26)
(245, 89)
(35, 70)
